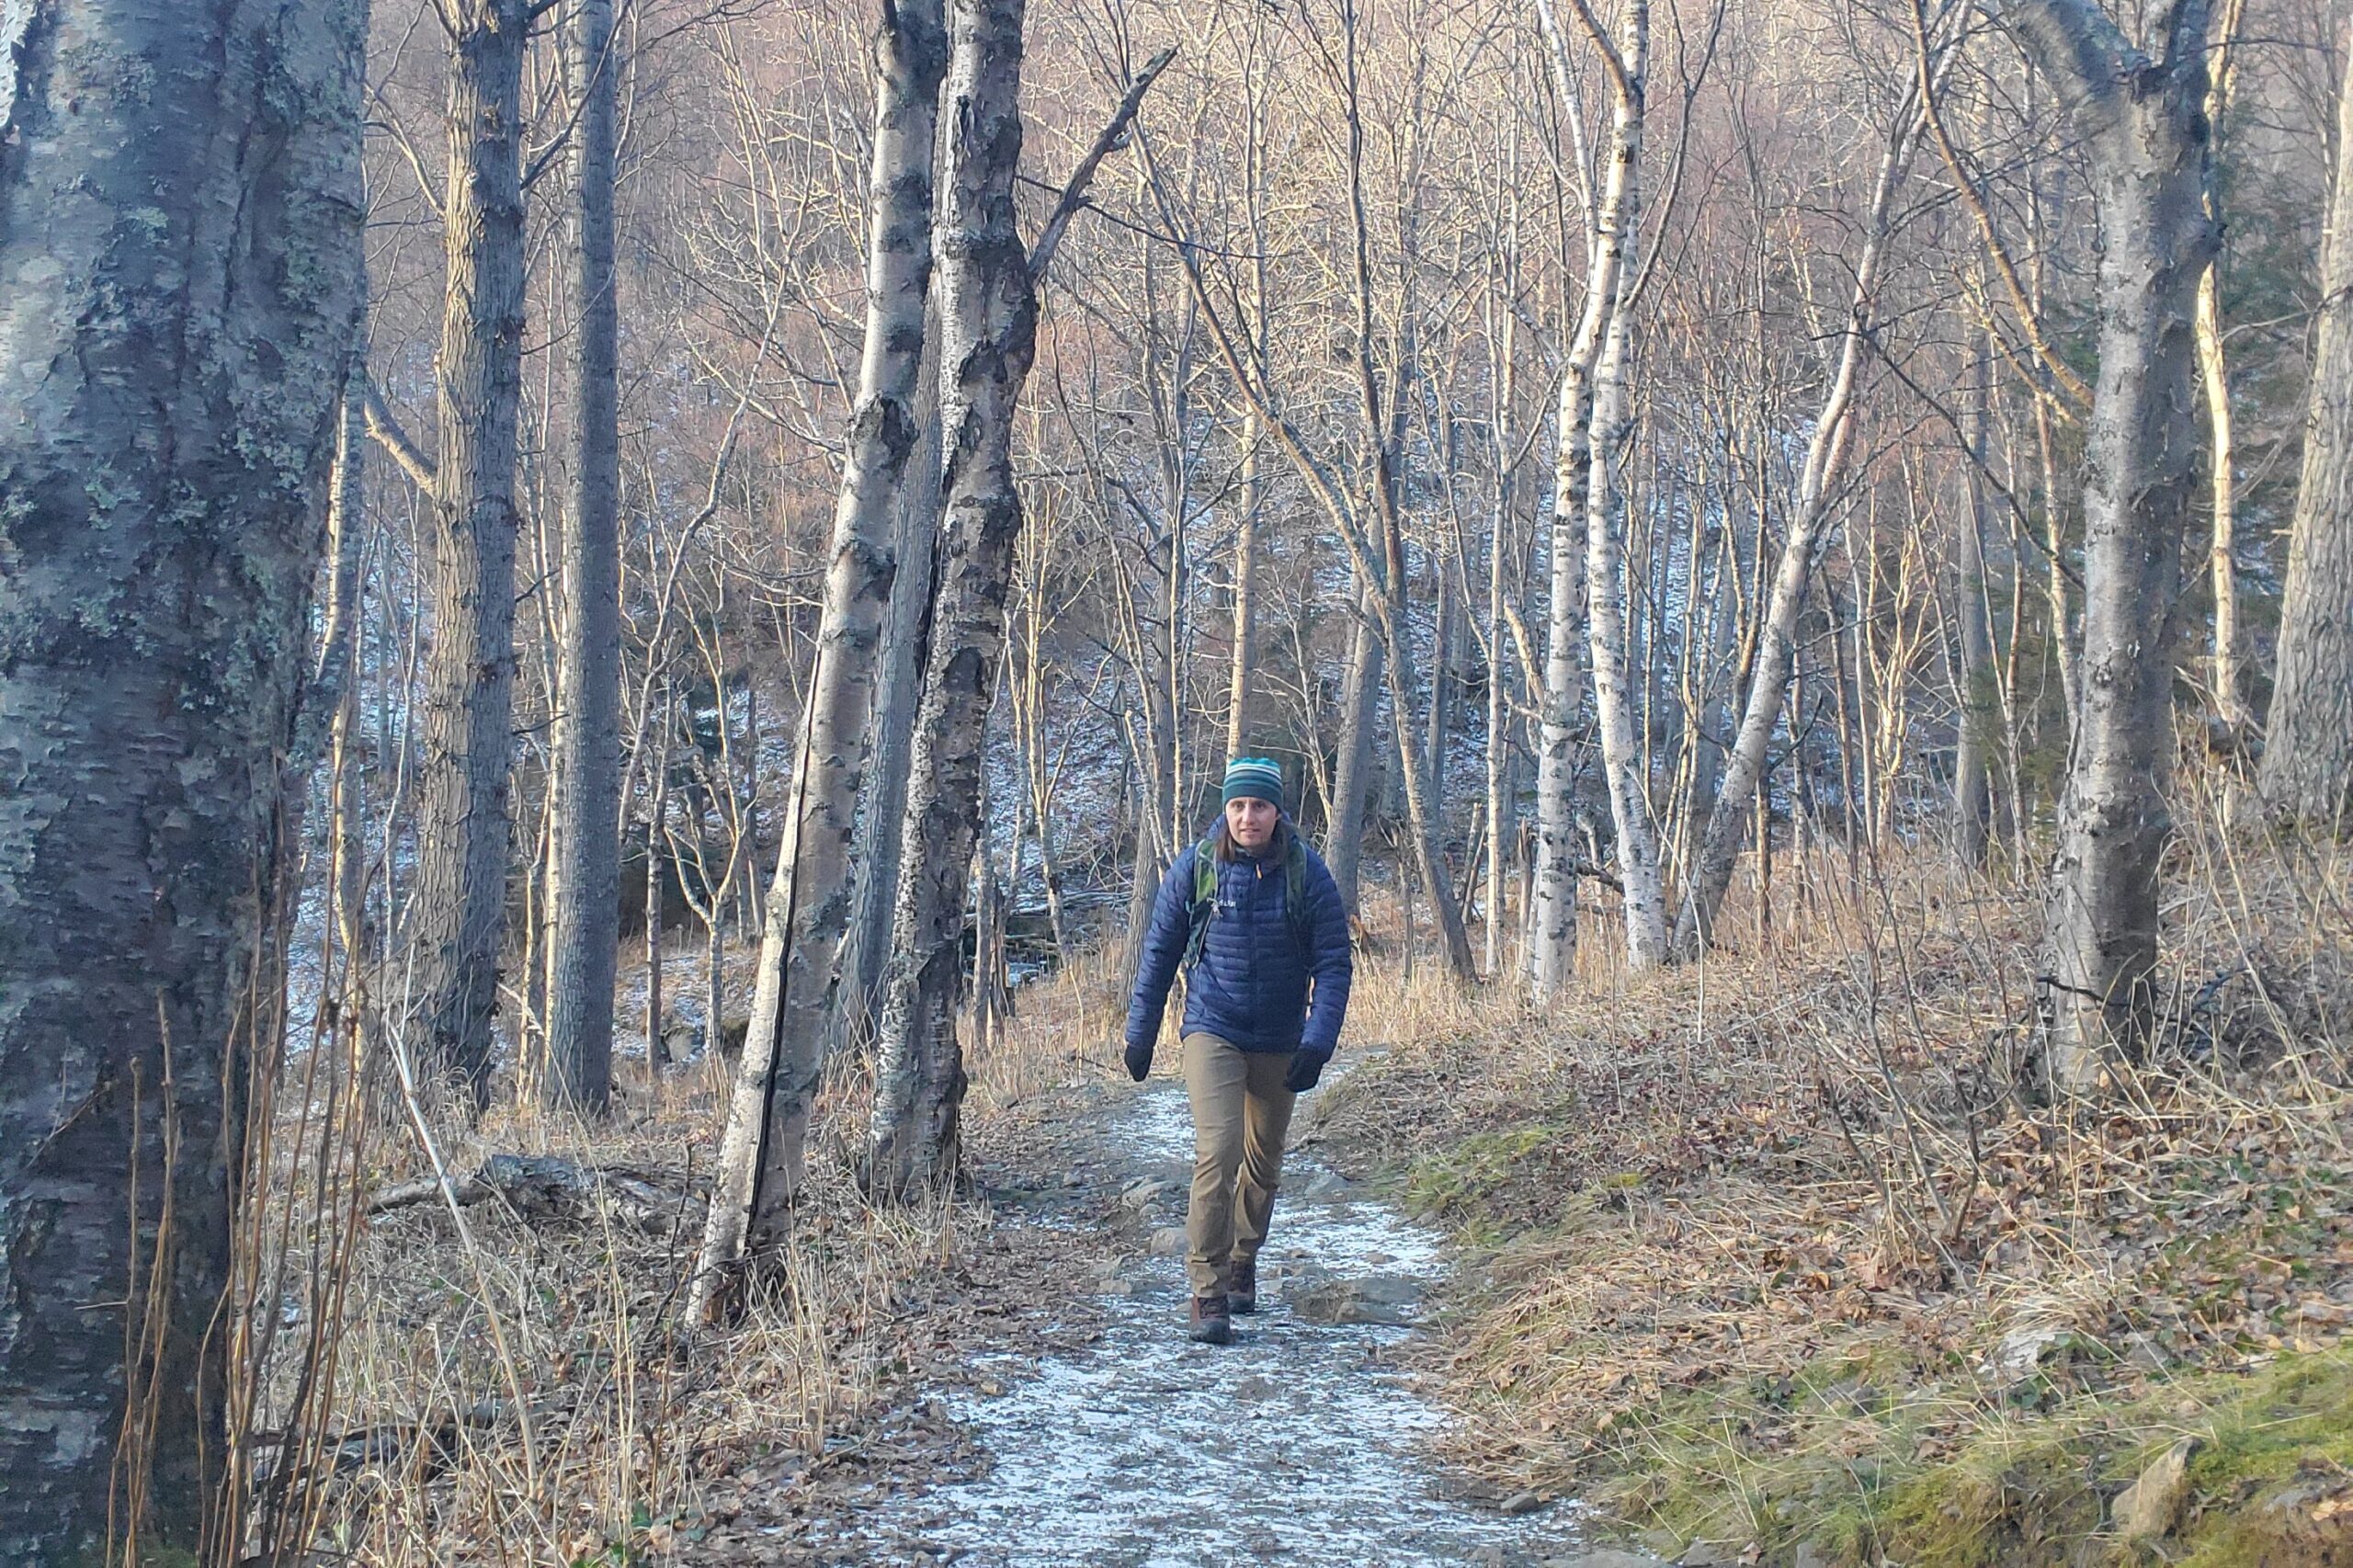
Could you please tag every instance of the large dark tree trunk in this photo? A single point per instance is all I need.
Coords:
(456, 905)
(2308, 756)
(179, 225)
(585, 936)
(2142, 117)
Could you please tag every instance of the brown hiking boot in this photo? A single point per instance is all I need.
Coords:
(1212, 1321)
(1242, 1296)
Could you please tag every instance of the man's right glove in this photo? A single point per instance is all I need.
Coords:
(1306, 1066)
(1138, 1059)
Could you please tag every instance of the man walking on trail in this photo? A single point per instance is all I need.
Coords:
(1253, 916)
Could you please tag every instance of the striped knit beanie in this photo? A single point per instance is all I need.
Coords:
(1255, 778)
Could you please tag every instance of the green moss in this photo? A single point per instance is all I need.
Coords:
(1462, 1175)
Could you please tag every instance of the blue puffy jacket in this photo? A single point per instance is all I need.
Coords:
(1254, 984)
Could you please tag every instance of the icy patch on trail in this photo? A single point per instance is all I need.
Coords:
(1295, 1445)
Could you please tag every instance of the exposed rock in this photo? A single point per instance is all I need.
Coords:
(2148, 1508)
(1522, 1503)
(1140, 1196)
(1325, 1186)
(1812, 1554)
(1169, 1241)
(1375, 1298)
(2022, 1351)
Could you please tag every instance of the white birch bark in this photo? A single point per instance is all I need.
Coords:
(762, 1155)
(1625, 765)
(2141, 119)
(2307, 769)
(988, 338)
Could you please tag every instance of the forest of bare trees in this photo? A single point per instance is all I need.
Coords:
(554, 550)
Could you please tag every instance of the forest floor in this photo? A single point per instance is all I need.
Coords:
(1763, 1260)
(1061, 1419)
(1769, 1263)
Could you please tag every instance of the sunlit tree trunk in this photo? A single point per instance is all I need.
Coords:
(988, 327)
(988, 316)
(811, 902)
(1625, 764)
(2308, 756)
(2143, 122)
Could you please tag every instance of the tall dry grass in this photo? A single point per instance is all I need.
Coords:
(1832, 1133)
(472, 1384)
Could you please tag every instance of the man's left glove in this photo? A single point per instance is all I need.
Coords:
(1306, 1066)
(1138, 1059)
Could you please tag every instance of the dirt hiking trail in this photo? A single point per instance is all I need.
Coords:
(1111, 1441)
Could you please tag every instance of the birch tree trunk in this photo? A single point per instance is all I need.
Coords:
(988, 336)
(2142, 122)
(988, 319)
(457, 908)
(585, 895)
(1827, 450)
(1625, 765)
(809, 905)
(1553, 951)
(2307, 769)
(179, 278)
(1552, 954)
(882, 804)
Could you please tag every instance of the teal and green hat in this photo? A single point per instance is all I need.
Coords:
(1255, 778)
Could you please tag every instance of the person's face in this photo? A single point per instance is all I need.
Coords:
(1251, 820)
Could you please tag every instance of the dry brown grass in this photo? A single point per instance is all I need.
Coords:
(1806, 1161)
(514, 1389)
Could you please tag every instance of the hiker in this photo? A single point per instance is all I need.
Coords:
(1253, 916)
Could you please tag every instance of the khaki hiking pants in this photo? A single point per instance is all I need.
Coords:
(1241, 1112)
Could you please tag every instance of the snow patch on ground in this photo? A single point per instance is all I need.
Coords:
(1296, 1445)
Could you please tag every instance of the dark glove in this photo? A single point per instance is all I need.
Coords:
(1139, 1060)
(1306, 1066)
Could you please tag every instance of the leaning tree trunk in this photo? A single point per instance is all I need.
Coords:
(2308, 756)
(585, 938)
(811, 902)
(179, 234)
(988, 335)
(988, 318)
(457, 907)
(1776, 657)
(2142, 123)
